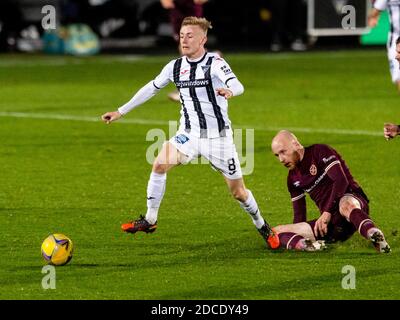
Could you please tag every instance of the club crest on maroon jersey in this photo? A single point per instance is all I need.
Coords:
(313, 170)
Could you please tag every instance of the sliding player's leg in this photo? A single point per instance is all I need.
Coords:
(298, 236)
(249, 204)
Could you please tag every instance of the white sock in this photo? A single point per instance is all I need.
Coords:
(251, 207)
(155, 193)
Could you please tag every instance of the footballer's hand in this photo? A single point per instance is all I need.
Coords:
(321, 225)
(167, 4)
(226, 93)
(390, 130)
(111, 116)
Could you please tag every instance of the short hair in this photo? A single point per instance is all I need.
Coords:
(398, 40)
(203, 23)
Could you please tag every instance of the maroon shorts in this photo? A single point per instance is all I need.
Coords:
(339, 229)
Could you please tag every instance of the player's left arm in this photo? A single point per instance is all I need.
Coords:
(144, 94)
(223, 71)
(340, 183)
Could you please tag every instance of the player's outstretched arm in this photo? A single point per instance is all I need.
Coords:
(340, 185)
(144, 94)
(391, 130)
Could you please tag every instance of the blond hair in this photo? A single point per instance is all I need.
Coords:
(203, 23)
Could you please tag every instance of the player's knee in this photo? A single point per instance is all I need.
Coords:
(239, 194)
(347, 205)
(159, 167)
(279, 229)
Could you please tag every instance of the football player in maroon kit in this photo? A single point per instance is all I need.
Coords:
(322, 173)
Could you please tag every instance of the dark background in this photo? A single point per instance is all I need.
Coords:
(245, 24)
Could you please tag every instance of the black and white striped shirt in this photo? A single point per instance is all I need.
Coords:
(393, 7)
(203, 112)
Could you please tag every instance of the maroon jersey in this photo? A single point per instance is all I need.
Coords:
(323, 174)
(183, 9)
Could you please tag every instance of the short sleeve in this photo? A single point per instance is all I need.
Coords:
(164, 77)
(222, 70)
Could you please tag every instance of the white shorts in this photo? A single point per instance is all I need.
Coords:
(221, 152)
(393, 63)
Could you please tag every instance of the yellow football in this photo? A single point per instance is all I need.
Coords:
(57, 249)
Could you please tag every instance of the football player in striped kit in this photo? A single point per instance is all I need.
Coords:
(205, 82)
(393, 7)
(391, 130)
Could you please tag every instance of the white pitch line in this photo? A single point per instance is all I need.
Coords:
(318, 130)
(165, 123)
(50, 116)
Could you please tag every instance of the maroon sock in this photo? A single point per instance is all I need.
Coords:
(361, 221)
(289, 240)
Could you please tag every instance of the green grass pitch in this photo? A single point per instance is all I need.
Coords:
(84, 178)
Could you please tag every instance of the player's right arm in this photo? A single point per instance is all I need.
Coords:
(373, 17)
(298, 198)
(144, 94)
